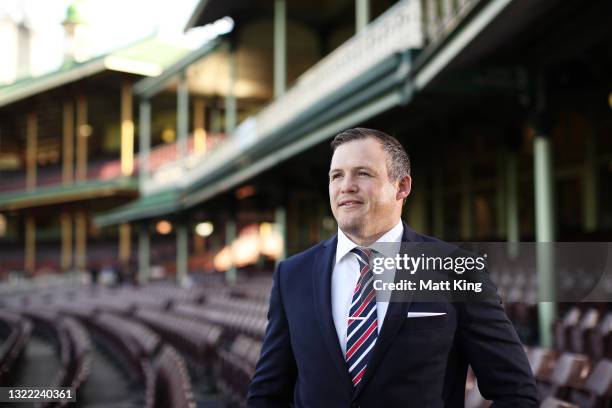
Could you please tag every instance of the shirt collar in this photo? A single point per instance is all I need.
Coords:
(394, 235)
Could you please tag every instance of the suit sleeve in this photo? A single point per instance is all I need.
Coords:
(495, 352)
(275, 375)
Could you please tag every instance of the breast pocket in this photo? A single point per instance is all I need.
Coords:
(425, 323)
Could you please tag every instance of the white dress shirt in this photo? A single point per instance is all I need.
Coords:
(344, 279)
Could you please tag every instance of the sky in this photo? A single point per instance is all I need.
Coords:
(112, 23)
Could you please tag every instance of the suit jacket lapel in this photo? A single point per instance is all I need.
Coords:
(394, 319)
(323, 306)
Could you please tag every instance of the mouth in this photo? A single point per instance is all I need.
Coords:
(349, 204)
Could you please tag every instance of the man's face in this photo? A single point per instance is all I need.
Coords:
(364, 201)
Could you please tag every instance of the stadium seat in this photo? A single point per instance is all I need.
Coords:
(563, 327)
(597, 389)
(173, 386)
(542, 362)
(557, 403)
(12, 348)
(570, 371)
(600, 339)
(196, 338)
(579, 332)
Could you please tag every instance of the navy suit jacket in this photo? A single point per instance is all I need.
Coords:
(417, 362)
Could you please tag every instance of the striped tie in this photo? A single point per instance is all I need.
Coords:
(362, 328)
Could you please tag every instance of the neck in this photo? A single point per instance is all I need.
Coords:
(366, 240)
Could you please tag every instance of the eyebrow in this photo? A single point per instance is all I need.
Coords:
(333, 171)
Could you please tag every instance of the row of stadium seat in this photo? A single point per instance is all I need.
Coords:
(195, 338)
(173, 386)
(74, 347)
(139, 344)
(11, 349)
(562, 380)
(235, 367)
(585, 331)
(165, 376)
(221, 327)
(223, 333)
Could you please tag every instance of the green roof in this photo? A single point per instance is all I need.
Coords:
(147, 57)
(153, 50)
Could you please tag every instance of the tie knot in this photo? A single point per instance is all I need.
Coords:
(363, 254)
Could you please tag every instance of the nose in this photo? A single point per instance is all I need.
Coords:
(348, 185)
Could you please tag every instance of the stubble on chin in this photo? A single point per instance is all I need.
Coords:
(353, 227)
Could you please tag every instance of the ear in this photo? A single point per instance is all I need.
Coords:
(404, 188)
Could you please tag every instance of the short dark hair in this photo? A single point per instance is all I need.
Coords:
(398, 165)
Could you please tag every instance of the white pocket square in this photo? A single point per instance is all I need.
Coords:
(423, 314)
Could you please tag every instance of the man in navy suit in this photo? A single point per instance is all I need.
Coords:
(331, 343)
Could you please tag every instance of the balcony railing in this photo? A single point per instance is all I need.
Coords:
(408, 24)
(398, 29)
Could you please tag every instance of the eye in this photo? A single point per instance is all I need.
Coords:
(363, 173)
(334, 176)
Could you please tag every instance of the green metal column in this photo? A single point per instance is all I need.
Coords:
(590, 184)
(416, 207)
(545, 233)
(438, 202)
(500, 194)
(280, 48)
(230, 96)
(215, 119)
(144, 262)
(466, 199)
(280, 219)
(144, 140)
(182, 242)
(182, 116)
(362, 14)
(512, 209)
(230, 236)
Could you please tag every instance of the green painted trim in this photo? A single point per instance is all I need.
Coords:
(58, 194)
(141, 209)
